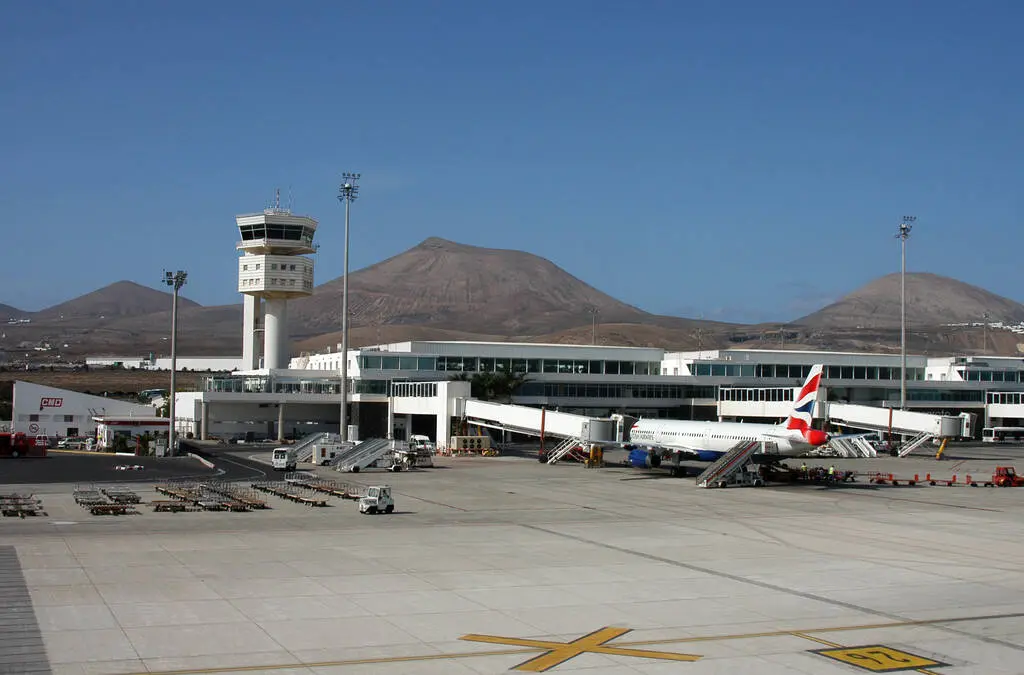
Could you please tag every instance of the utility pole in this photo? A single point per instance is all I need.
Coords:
(903, 234)
(348, 192)
(594, 311)
(984, 333)
(175, 280)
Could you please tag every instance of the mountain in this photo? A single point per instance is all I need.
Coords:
(932, 300)
(8, 312)
(456, 287)
(120, 299)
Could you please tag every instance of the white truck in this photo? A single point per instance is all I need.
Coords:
(283, 459)
(377, 500)
(421, 450)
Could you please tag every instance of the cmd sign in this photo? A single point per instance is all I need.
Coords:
(50, 402)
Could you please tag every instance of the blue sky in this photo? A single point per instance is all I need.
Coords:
(735, 160)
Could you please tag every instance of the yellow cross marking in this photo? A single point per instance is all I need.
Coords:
(557, 653)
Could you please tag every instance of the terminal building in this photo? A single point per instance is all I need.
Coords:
(414, 387)
(422, 387)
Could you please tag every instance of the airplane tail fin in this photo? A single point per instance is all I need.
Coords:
(803, 409)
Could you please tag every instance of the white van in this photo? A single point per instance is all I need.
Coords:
(284, 459)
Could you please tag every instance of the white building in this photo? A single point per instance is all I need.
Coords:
(214, 364)
(39, 409)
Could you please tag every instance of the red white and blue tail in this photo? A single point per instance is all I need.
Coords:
(803, 409)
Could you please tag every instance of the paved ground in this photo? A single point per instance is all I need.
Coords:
(504, 564)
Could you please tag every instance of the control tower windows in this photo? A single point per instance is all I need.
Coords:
(282, 232)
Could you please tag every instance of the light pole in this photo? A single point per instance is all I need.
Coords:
(175, 280)
(348, 192)
(903, 235)
(594, 311)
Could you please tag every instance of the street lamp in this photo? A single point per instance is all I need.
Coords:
(594, 311)
(347, 192)
(903, 234)
(175, 280)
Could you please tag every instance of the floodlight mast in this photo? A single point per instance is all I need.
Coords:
(903, 234)
(175, 280)
(348, 192)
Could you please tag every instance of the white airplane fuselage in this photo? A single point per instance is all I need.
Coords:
(710, 440)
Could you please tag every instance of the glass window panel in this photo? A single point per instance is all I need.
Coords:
(626, 368)
(533, 365)
(426, 363)
(407, 362)
(550, 366)
(486, 365)
(596, 367)
(611, 367)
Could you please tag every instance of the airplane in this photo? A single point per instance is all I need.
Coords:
(707, 441)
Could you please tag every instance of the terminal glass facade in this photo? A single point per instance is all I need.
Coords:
(484, 364)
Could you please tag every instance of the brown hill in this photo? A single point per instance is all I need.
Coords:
(8, 312)
(119, 299)
(463, 288)
(932, 300)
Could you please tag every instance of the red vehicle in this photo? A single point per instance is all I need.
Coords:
(20, 445)
(1006, 476)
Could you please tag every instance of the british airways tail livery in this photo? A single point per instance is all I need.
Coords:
(707, 441)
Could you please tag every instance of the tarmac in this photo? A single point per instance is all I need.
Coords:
(505, 564)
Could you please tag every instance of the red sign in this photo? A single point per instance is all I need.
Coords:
(50, 403)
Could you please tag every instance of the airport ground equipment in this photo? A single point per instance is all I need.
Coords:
(1006, 476)
(564, 448)
(378, 499)
(304, 447)
(323, 453)
(284, 459)
(17, 505)
(366, 454)
(915, 443)
(722, 471)
(851, 446)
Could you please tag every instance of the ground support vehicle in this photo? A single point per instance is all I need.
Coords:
(377, 500)
(284, 459)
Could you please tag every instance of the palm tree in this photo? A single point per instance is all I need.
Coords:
(499, 387)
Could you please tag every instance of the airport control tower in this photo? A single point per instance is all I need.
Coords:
(271, 271)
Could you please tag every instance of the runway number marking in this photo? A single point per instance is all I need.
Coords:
(878, 658)
(557, 653)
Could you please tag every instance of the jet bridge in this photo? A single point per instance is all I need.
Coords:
(536, 421)
(904, 422)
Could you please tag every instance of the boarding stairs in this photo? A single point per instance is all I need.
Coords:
(564, 448)
(853, 446)
(915, 443)
(729, 464)
(304, 448)
(362, 455)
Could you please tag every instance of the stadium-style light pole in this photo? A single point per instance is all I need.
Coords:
(903, 234)
(175, 280)
(347, 192)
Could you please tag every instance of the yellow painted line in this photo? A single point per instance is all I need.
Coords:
(534, 645)
(558, 653)
(818, 640)
(333, 664)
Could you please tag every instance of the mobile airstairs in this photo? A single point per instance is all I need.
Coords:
(363, 455)
(731, 468)
(304, 448)
(564, 448)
